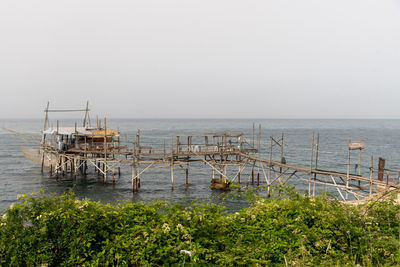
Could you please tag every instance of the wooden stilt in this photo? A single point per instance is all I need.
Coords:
(57, 167)
(138, 176)
(172, 163)
(370, 175)
(311, 165)
(105, 152)
(119, 154)
(63, 165)
(75, 167)
(133, 175)
(42, 163)
(316, 163)
(348, 173)
(187, 175)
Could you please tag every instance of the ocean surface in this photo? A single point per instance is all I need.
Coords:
(19, 175)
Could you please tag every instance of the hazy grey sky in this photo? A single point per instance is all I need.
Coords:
(227, 58)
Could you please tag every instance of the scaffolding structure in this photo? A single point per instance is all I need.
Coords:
(74, 149)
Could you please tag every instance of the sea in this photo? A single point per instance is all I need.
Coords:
(19, 175)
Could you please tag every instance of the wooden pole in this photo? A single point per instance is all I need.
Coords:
(239, 175)
(74, 167)
(105, 152)
(348, 173)
(370, 175)
(172, 163)
(119, 153)
(85, 166)
(57, 166)
(138, 175)
(316, 164)
(187, 175)
(253, 135)
(43, 152)
(63, 165)
(133, 174)
(71, 166)
(86, 114)
(46, 118)
(270, 160)
(259, 153)
(252, 173)
(381, 168)
(311, 165)
(282, 146)
(359, 168)
(225, 166)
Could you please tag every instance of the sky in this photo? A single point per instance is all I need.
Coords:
(201, 59)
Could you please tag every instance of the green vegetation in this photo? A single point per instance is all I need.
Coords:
(295, 230)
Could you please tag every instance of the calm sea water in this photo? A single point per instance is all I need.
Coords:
(19, 175)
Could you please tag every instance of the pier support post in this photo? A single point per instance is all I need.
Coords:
(75, 167)
(138, 176)
(172, 176)
(316, 164)
(113, 172)
(57, 167)
(42, 163)
(172, 163)
(187, 175)
(133, 175)
(311, 165)
(63, 165)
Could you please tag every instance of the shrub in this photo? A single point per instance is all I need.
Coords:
(294, 230)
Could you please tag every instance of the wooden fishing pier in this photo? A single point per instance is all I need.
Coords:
(73, 150)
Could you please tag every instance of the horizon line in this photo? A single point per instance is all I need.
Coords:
(194, 118)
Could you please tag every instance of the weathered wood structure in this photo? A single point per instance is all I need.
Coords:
(73, 149)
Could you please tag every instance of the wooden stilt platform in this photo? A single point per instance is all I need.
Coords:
(74, 150)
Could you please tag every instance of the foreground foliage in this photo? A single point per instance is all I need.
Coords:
(295, 230)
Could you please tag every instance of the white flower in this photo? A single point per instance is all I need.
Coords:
(165, 228)
(12, 205)
(253, 217)
(187, 252)
(243, 219)
(4, 216)
(179, 227)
